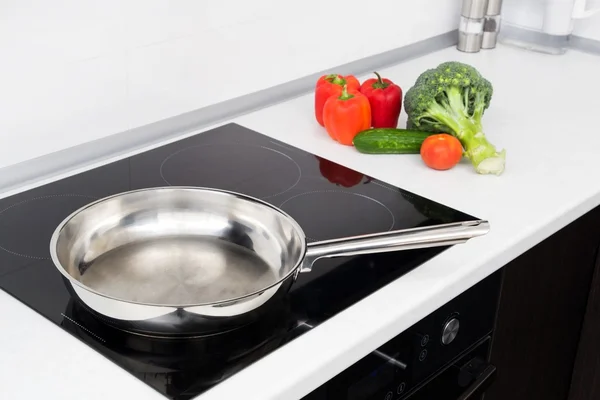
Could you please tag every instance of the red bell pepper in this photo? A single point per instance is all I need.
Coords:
(338, 174)
(385, 99)
(346, 115)
(329, 85)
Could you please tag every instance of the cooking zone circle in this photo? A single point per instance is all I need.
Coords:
(357, 213)
(232, 167)
(17, 235)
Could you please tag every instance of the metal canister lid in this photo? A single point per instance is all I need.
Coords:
(474, 8)
(494, 7)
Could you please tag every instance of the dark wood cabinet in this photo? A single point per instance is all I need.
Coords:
(539, 347)
(585, 383)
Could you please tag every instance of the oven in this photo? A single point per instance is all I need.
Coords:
(466, 378)
(445, 356)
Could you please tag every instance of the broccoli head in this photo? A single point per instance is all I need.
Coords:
(452, 98)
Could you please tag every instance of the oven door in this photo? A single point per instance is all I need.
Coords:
(464, 379)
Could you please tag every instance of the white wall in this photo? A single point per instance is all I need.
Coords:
(528, 14)
(75, 70)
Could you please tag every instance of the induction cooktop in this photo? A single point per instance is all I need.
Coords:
(327, 199)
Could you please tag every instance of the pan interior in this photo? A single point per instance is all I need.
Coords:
(178, 246)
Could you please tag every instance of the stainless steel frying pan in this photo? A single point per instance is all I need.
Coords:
(188, 261)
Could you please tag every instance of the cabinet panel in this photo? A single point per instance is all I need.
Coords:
(585, 384)
(542, 306)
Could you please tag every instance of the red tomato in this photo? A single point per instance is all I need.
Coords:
(441, 151)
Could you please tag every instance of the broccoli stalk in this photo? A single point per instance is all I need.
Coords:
(453, 98)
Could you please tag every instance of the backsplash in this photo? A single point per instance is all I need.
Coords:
(77, 70)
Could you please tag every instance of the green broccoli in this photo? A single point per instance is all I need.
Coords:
(452, 99)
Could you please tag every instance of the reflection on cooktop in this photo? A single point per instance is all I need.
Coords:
(328, 200)
(182, 368)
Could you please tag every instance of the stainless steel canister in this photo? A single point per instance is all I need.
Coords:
(491, 24)
(470, 30)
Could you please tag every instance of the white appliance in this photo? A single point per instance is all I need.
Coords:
(559, 15)
(543, 25)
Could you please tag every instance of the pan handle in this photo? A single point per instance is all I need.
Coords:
(405, 239)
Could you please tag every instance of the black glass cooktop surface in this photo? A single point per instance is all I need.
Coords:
(327, 199)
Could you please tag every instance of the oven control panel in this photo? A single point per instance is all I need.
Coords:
(395, 370)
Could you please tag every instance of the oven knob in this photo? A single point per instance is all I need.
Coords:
(450, 331)
(401, 387)
(422, 338)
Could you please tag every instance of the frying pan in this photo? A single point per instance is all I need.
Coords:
(187, 261)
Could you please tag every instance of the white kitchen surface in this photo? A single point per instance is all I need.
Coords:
(539, 113)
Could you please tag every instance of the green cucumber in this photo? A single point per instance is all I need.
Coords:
(390, 141)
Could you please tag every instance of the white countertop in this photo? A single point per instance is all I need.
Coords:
(539, 113)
